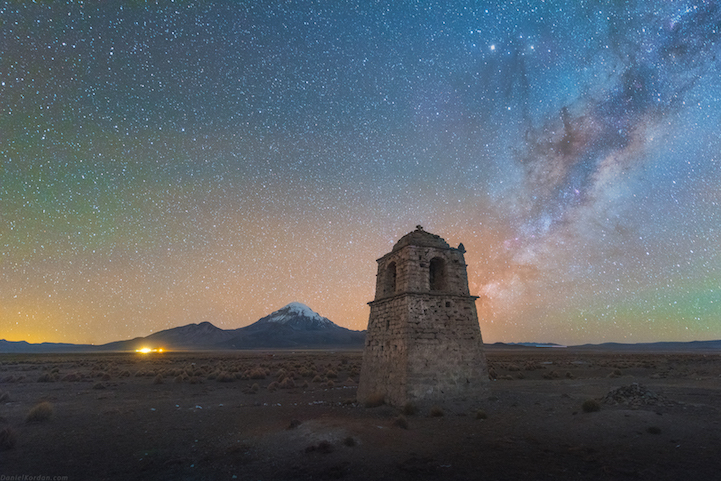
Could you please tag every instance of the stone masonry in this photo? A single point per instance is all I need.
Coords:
(423, 343)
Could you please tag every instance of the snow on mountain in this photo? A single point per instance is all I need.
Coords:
(298, 315)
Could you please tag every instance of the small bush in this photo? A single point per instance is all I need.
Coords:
(409, 409)
(273, 386)
(287, 383)
(257, 373)
(46, 377)
(8, 438)
(375, 400)
(401, 422)
(225, 376)
(40, 413)
(436, 412)
(481, 414)
(158, 379)
(98, 385)
(255, 387)
(330, 383)
(590, 406)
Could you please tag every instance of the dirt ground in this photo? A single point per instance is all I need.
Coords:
(292, 415)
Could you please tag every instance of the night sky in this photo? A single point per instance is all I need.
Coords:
(165, 163)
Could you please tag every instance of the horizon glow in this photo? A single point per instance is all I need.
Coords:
(187, 161)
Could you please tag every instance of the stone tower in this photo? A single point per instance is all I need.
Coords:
(423, 343)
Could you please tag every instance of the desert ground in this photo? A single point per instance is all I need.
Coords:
(548, 414)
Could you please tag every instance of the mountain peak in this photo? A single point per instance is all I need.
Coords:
(297, 314)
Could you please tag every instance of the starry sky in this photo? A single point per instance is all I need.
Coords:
(164, 163)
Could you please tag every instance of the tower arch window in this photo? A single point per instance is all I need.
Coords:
(437, 274)
(390, 279)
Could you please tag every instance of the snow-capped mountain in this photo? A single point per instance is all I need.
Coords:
(298, 316)
(295, 325)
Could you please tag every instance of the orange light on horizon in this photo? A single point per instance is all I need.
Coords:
(146, 350)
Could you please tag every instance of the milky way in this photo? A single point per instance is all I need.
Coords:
(173, 162)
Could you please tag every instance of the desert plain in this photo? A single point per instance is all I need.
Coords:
(569, 414)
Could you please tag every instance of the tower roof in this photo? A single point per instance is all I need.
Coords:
(421, 238)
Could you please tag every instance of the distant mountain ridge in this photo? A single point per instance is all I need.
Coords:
(293, 326)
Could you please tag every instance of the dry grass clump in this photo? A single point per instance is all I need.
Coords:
(590, 406)
(331, 374)
(324, 447)
(40, 413)
(71, 377)
(4, 396)
(98, 385)
(225, 376)
(273, 386)
(401, 422)
(47, 377)
(287, 383)
(436, 412)
(158, 379)
(8, 438)
(481, 414)
(375, 400)
(258, 373)
(409, 409)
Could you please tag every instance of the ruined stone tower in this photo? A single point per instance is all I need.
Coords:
(423, 343)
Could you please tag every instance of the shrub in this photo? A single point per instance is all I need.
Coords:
(98, 385)
(590, 406)
(401, 422)
(225, 376)
(255, 387)
(287, 383)
(257, 373)
(409, 409)
(330, 383)
(331, 374)
(46, 377)
(436, 412)
(158, 379)
(8, 438)
(273, 386)
(40, 413)
(481, 414)
(375, 400)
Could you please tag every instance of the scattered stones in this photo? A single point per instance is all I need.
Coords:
(635, 395)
